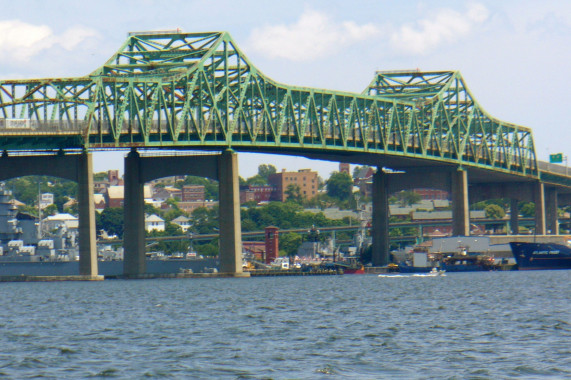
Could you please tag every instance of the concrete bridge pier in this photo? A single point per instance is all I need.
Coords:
(74, 167)
(551, 211)
(221, 167)
(514, 216)
(229, 206)
(460, 208)
(134, 217)
(380, 253)
(86, 209)
(539, 199)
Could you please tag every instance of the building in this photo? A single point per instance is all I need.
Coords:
(154, 223)
(161, 194)
(189, 207)
(193, 193)
(113, 179)
(246, 195)
(254, 250)
(305, 179)
(432, 194)
(183, 222)
(99, 200)
(54, 222)
(115, 195)
(364, 180)
(46, 199)
(256, 193)
(344, 168)
(168, 181)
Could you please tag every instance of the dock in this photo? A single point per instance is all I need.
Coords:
(26, 278)
(294, 272)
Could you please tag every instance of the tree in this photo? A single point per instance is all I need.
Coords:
(150, 209)
(31, 210)
(100, 176)
(340, 186)
(527, 209)
(265, 170)
(172, 214)
(493, 211)
(207, 249)
(111, 220)
(289, 243)
(205, 220)
(257, 180)
(49, 210)
(293, 193)
(407, 198)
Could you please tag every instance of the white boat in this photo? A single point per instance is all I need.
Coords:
(434, 272)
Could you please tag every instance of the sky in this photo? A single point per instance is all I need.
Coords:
(513, 55)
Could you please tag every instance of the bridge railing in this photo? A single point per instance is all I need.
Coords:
(155, 127)
(35, 127)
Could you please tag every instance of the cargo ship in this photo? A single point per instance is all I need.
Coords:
(535, 256)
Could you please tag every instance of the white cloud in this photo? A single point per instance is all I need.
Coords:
(313, 36)
(20, 41)
(74, 36)
(446, 26)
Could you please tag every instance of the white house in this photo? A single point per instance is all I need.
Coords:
(183, 222)
(154, 222)
(55, 221)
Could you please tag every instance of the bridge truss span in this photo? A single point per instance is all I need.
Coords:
(199, 90)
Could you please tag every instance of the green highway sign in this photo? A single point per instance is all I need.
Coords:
(556, 158)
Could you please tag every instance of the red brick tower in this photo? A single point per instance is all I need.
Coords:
(272, 244)
(344, 168)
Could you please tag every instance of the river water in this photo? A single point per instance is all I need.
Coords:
(464, 325)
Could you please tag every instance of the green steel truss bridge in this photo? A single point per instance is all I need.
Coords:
(171, 90)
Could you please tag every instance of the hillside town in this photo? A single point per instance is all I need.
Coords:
(187, 206)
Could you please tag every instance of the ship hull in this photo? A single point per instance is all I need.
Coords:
(105, 268)
(539, 256)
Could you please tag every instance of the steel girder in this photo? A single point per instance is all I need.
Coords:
(174, 90)
(449, 118)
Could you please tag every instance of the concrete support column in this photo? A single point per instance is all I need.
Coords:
(539, 199)
(551, 211)
(460, 210)
(380, 254)
(229, 217)
(86, 206)
(514, 216)
(134, 217)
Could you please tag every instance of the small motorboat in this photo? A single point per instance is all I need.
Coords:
(434, 272)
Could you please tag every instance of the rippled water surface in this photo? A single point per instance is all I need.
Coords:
(464, 325)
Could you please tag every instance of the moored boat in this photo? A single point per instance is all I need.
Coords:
(350, 265)
(535, 256)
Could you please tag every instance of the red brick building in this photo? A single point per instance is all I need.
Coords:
(193, 193)
(432, 194)
(344, 168)
(252, 193)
